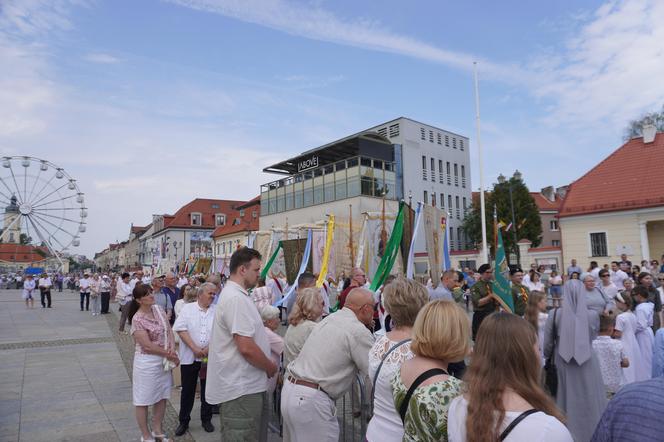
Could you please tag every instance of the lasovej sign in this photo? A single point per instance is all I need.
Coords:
(308, 163)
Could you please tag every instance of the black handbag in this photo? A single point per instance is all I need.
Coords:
(550, 370)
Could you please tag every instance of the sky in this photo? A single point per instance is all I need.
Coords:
(150, 104)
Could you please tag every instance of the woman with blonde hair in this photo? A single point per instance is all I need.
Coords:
(403, 299)
(306, 313)
(503, 380)
(422, 388)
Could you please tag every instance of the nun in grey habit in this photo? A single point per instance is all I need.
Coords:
(581, 394)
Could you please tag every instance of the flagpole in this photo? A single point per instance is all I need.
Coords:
(485, 249)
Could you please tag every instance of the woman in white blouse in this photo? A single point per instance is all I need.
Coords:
(403, 299)
(503, 380)
(308, 309)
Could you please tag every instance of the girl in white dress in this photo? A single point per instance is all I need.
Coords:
(625, 330)
(28, 290)
(644, 336)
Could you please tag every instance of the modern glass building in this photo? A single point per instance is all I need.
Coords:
(360, 165)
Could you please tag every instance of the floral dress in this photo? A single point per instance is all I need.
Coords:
(426, 418)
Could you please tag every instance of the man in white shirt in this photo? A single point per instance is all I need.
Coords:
(335, 351)
(194, 326)
(45, 285)
(84, 290)
(617, 275)
(239, 354)
(594, 272)
(124, 297)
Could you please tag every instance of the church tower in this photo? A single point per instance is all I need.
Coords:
(11, 231)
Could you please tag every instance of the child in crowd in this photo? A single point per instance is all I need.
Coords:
(644, 312)
(536, 315)
(625, 330)
(610, 354)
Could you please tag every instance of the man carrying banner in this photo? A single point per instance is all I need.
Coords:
(482, 297)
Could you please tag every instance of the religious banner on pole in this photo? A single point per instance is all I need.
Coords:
(433, 222)
(294, 252)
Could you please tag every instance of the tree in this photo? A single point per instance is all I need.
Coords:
(25, 239)
(634, 128)
(527, 221)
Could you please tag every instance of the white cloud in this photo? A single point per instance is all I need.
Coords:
(102, 58)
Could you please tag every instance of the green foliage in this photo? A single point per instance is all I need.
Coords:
(25, 239)
(526, 215)
(634, 128)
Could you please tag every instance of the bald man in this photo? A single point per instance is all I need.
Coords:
(357, 279)
(325, 369)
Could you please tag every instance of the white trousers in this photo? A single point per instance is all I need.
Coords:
(308, 414)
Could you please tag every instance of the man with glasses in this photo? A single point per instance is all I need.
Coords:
(482, 297)
(357, 279)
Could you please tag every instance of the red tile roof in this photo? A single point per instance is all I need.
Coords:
(630, 178)
(246, 223)
(182, 218)
(545, 204)
(22, 253)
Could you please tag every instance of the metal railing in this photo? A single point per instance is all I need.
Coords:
(353, 411)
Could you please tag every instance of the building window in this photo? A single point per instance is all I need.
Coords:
(442, 201)
(241, 213)
(382, 132)
(426, 197)
(431, 136)
(461, 144)
(553, 225)
(449, 203)
(456, 175)
(452, 239)
(394, 130)
(219, 219)
(463, 176)
(422, 133)
(254, 214)
(433, 169)
(598, 246)
(458, 210)
(454, 143)
(433, 199)
(447, 141)
(440, 171)
(215, 206)
(449, 174)
(424, 167)
(196, 219)
(439, 138)
(555, 242)
(464, 204)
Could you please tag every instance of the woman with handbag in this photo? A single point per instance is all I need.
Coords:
(503, 380)
(403, 299)
(568, 337)
(154, 359)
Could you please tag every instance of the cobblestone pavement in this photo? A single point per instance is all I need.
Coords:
(66, 376)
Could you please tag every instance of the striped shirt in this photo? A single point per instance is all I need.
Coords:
(634, 414)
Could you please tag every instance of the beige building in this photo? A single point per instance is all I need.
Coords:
(618, 206)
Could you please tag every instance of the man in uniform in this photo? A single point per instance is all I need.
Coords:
(482, 296)
(520, 293)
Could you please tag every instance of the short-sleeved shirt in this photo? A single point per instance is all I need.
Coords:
(153, 325)
(610, 353)
(229, 374)
(198, 323)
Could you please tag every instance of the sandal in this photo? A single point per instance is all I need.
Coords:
(161, 437)
(147, 440)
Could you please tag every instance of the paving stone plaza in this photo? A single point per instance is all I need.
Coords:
(66, 375)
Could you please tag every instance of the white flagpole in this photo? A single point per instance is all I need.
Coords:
(485, 249)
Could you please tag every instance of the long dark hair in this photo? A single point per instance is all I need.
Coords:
(140, 291)
(503, 357)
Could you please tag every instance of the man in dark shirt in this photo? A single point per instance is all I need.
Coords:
(482, 296)
(634, 414)
(170, 288)
(520, 293)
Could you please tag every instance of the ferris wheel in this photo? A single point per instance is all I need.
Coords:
(42, 205)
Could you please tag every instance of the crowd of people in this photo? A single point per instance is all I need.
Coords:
(443, 360)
